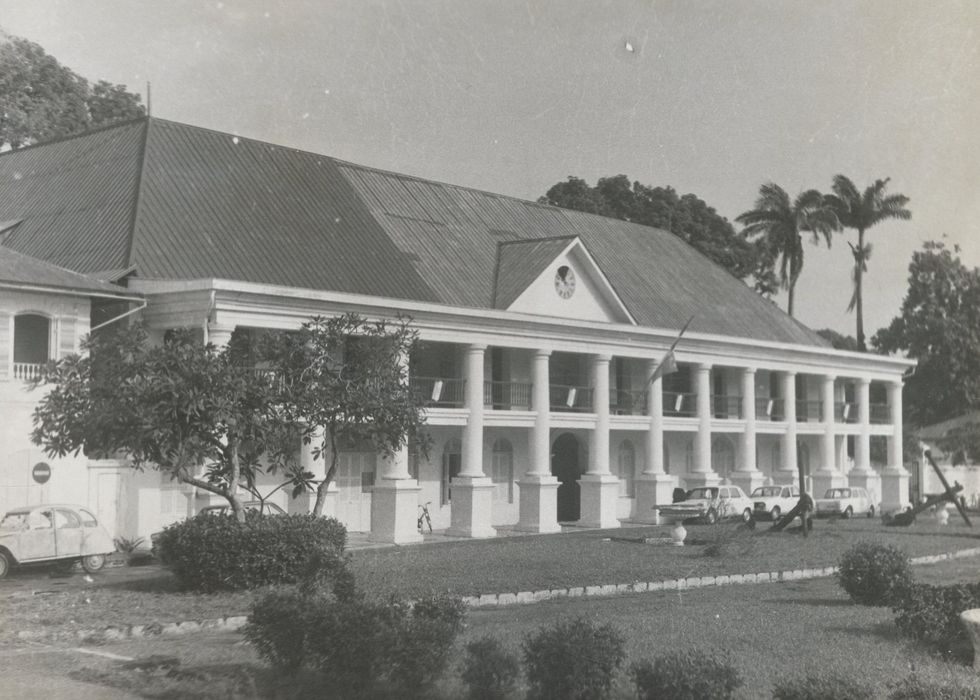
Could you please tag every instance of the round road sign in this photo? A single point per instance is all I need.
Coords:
(41, 472)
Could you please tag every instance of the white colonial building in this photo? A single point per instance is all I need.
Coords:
(540, 329)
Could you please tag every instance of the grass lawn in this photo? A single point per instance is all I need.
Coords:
(768, 631)
(472, 567)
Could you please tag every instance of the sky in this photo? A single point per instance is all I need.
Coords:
(512, 96)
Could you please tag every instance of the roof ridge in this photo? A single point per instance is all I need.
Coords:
(539, 240)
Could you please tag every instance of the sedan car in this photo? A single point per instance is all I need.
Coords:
(772, 501)
(711, 504)
(845, 502)
(53, 533)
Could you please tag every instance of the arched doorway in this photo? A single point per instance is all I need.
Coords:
(565, 466)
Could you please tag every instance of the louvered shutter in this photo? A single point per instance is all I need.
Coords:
(66, 337)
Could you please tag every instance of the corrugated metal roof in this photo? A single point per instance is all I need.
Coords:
(19, 269)
(520, 262)
(183, 202)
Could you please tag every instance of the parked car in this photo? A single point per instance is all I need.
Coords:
(772, 501)
(845, 502)
(265, 508)
(53, 533)
(711, 504)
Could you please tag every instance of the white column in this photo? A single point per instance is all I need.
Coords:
(701, 474)
(218, 334)
(538, 488)
(786, 473)
(829, 474)
(894, 478)
(599, 487)
(748, 475)
(863, 456)
(472, 502)
(395, 496)
(654, 487)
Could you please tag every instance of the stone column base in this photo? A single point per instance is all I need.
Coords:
(894, 489)
(394, 511)
(653, 490)
(826, 479)
(600, 497)
(471, 507)
(748, 481)
(870, 481)
(538, 504)
(693, 480)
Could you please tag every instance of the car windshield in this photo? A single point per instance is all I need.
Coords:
(838, 493)
(767, 491)
(705, 492)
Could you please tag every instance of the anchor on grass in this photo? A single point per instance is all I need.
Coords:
(949, 495)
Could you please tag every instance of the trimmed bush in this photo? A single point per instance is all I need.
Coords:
(822, 687)
(572, 660)
(215, 552)
(915, 688)
(930, 614)
(277, 628)
(686, 675)
(489, 670)
(423, 643)
(875, 574)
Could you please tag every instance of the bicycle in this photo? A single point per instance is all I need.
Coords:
(424, 517)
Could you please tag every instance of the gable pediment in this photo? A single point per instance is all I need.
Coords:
(555, 277)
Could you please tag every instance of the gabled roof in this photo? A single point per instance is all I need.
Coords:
(24, 271)
(520, 262)
(181, 202)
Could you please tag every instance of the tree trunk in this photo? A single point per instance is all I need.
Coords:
(859, 302)
(232, 495)
(323, 486)
(789, 302)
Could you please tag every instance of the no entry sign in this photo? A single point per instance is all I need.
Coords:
(41, 472)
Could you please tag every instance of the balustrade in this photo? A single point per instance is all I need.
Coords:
(504, 396)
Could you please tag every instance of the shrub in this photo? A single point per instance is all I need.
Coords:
(572, 660)
(685, 675)
(915, 688)
(930, 614)
(277, 628)
(423, 642)
(875, 574)
(822, 687)
(215, 552)
(489, 671)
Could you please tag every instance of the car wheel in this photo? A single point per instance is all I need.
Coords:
(871, 512)
(776, 514)
(848, 512)
(5, 563)
(711, 517)
(93, 562)
(746, 516)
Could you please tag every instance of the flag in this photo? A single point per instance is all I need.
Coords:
(668, 365)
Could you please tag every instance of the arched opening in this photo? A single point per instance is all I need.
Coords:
(565, 466)
(627, 469)
(502, 471)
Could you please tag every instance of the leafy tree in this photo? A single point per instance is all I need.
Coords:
(778, 224)
(173, 407)
(861, 211)
(345, 379)
(685, 216)
(939, 326)
(837, 340)
(40, 99)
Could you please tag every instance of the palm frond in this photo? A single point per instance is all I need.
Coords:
(845, 190)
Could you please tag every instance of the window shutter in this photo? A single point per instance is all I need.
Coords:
(66, 339)
(6, 345)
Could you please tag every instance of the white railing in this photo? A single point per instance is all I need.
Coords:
(28, 371)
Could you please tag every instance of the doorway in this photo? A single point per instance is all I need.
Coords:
(565, 466)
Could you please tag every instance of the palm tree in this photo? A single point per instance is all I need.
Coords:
(861, 212)
(777, 226)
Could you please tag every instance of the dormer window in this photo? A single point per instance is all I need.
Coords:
(32, 350)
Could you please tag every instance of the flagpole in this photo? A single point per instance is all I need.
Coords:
(659, 371)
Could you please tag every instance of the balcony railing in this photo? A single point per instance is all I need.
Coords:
(724, 406)
(627, 403)
(28, 371)
(507, 396)
(567, 397)
(438, 392)
(809, 411)
(680, 404)
(845, 412)
(769, 408)
(880, 413)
